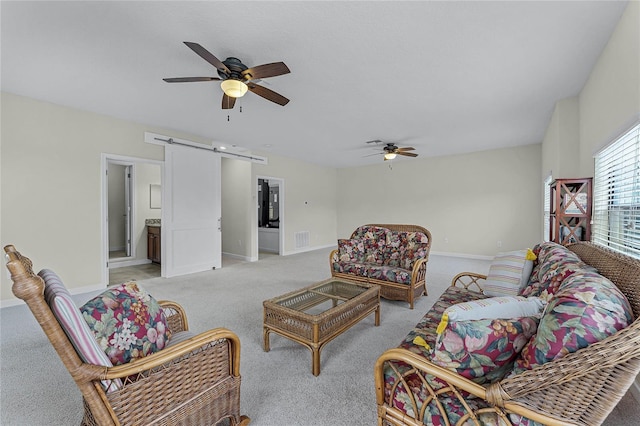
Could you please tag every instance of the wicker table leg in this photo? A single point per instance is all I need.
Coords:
(315, 364)
(265, 334)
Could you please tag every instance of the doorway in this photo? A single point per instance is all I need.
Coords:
(270, 216)
(119, 193)
(126, 206)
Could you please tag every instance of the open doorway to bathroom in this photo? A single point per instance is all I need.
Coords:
(128, 204)
(270, 218)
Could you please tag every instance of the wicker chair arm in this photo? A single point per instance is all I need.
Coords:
(333, 257)
(454, 385)
(468, 280)
(174, 353)
(175, 314)
(419, 270)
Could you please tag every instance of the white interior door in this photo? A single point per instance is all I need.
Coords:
(128, 223)
(191, 237)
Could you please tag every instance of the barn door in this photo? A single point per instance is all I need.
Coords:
(191, 234)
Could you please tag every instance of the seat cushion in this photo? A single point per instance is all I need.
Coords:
(389, 273)
(127, 322)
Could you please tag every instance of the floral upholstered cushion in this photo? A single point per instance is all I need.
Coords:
(483, 350)
(586, 308)
(128, 323)
(426, 327)
(389, 273)
(350, 250)
(367, 232)
(509, 273)
(554, 264)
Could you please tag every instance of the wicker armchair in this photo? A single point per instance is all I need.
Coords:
(195, 381)
(581, 388)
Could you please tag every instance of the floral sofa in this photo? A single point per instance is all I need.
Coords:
(567, 361)
(391, 256)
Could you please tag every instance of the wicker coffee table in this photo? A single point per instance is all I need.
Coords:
(315, 315)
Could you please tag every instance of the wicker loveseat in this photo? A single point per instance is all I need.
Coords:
(392, 256)
(194, 380)
(574, 387)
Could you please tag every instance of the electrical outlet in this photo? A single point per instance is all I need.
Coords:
(499, 244)
(446, 240)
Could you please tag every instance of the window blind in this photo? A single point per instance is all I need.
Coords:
(546, 226)
(616, 195)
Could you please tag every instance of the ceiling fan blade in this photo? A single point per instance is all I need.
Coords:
(208, 56)
(376, 153)
(268, 94)
(227, 101)
(406, 154)
(408, 148)
(189, 79)
(267, 70)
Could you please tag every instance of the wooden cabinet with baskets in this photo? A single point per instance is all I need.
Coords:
(570, 214)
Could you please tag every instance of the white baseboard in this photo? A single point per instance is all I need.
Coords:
(237, 256)
(462, 255)
(78, 290)
(306, 249)
(115, 264)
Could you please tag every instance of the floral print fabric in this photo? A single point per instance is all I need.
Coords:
(586, 308)
(127, 322)
(379, 253)
(483, 350)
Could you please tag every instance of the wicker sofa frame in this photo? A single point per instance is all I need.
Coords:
(196, 381)
(581, 388)
(390, 290)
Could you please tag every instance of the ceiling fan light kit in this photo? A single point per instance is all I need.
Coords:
(237, 78)
(389, 156)
(234, 88)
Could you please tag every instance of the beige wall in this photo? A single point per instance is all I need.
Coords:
(561, 141)
(309, 198)
(608, 104)
(610, 100)
(51, 183)
(469, 202)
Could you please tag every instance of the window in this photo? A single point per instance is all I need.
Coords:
(546, 225)
(616, 195)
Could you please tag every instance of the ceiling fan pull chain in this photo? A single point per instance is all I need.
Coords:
(228, 117)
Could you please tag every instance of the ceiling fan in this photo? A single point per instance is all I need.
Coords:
(237, 78)
(391, 150)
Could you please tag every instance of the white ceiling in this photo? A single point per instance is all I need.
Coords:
(444, 77)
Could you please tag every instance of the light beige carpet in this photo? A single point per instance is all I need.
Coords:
(277, 387)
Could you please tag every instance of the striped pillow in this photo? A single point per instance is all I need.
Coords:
(76, 328)
(509, 273)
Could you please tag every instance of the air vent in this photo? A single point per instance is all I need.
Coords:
(302, 239)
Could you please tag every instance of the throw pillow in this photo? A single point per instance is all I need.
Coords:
(75, 327)
(509, 273)
(505, 307)
(350, 251)
(127, 322)
(586, 308)
(483, 350)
